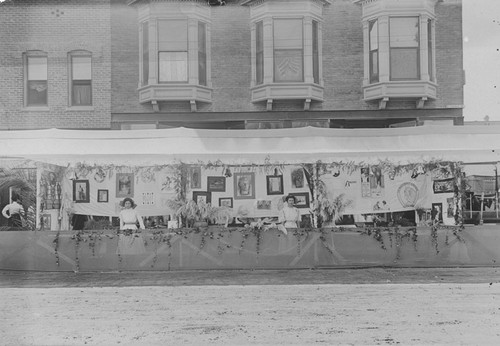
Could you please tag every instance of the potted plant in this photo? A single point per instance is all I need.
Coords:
(329, 211)
(200, 214)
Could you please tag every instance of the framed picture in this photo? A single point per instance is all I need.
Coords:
(202, 196)
(81, 191)
(263, 205)
(46, 221)
(102, 196)
(437, 212)
(297, 177)
(302, 199)
(443, 185)
(226, 202)
(124, 185)
(274, 184)
(195, 177)
(216, 184)
(244, 185)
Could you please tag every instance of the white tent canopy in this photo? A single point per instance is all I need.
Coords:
(298, 145)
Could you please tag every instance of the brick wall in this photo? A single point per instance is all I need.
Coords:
(55, 27)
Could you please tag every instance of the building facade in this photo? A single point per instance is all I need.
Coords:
(234, 64)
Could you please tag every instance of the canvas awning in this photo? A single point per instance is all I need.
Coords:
(298, 145)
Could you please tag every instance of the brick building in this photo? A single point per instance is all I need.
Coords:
(125, 64)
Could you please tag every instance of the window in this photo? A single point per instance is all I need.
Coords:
(81, 78)
(36, 79)
(259, 53)
(399, 49)
(373, 36)
(145, 53)
(202, 53)
(288, 50)
(173, 51)
(174, 57)
(404, 48)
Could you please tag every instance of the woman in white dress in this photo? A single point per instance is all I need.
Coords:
(129, 216)
(289, 216)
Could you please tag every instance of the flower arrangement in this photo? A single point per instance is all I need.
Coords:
(199, 214)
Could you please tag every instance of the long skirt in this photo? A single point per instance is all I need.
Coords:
(15, 221)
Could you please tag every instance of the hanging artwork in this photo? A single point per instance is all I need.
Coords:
(102, 196)
(195, 177)
(202, 196)
(274, 184)
(216, 184)
(365, 182)
(376, 182)
(443, 185)
(244, 185)
(148, 198)
(124, 185)
(297, 177)
(263, 205)
(81, 191)
(226, 202)
(437, 212)
(302, 199)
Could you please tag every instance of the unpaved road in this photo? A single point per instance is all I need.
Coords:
(428, 311)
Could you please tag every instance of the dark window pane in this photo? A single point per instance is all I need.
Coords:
(202, 54)
(145, 53)
(37, 93)
(259, 45)
(315, 51)
(82, 93)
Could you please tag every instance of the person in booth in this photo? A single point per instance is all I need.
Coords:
(13, 212)
(289, 216)
(129, 217)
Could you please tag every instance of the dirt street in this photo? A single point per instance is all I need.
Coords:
(382, 313)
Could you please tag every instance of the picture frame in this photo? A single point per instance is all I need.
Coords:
(437, 212)
(216, 184)
(274, 184)
(244, 185)
(263, 205)
(124, 185)
(202, 196)
(297, 178)
(102, 196)
(81, 191)
(302, 199)
(443, 185)
(226, 202)
(46, 221)
(195, 177)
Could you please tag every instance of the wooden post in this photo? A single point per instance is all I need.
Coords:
(481, 211)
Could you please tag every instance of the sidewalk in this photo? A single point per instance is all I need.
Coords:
(374, 275)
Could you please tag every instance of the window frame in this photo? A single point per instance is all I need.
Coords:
(33, 54)
(75, 82)
(417, 50)
(289, 50)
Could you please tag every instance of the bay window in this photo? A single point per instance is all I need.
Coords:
(174, 43)
(286, 50)
(399, 61)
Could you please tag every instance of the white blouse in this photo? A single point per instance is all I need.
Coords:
(128, 219)
(289, 216)
(13, 208)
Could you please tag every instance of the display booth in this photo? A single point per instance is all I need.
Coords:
(212, 198)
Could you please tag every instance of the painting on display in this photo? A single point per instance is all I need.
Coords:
(297, 177)
(274, 184)
(202, 196)
(437, 212)
(226, 202)
(302, 199)
(102, 196)
(81, 191)
(244, 185)
(124, 185)
(216, 184)
(443, 185)
(195, 177)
